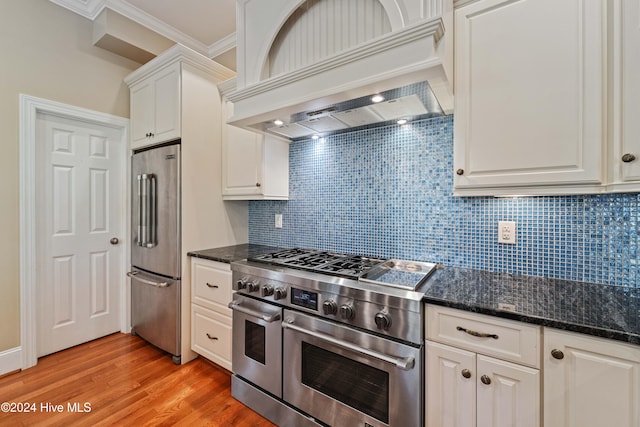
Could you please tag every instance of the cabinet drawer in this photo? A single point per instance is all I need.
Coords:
(211, 335)
(505, 339)
(211, 285)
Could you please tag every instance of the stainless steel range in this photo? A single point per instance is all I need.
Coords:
(321, 338)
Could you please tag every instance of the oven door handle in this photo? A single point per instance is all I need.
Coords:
(404, 363)
(267, 317)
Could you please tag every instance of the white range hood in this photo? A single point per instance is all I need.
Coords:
(322, 64)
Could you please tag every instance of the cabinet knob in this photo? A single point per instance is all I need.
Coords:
(258, 184)
(628, 158)
(460, 171)
(557, 354)
(466, 373)
(485, 379)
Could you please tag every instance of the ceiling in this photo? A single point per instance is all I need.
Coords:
(206, 26)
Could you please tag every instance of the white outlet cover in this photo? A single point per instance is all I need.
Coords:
(507, 232)
(278, 221)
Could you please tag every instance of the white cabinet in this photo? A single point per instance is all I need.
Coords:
(155, 107)
(530, 97)
(255, 166)
(468, 382)
(625, 97)
(211, 319)
(590, 382)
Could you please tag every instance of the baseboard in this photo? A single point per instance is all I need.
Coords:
(10, 360)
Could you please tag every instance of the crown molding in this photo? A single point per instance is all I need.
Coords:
(90, 9)
(223, 45)
(87, 8)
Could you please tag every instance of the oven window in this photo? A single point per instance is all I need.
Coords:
(254, 341)
(352, 383)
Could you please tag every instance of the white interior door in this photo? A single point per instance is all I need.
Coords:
(79, 179)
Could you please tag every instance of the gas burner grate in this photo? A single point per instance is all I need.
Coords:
(350, 266)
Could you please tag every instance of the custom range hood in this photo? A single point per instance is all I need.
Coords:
(312, 67)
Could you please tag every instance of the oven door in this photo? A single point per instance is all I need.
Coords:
(345, 377)
(257, 343)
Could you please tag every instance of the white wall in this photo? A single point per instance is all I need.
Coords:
(46, 52)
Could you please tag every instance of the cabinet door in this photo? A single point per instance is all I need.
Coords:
(167, 104)
(529, 82)
(593, 382)
(450, 386)
(155, 108)
(630, 91)
(142, 120)
(508, 394)
(242, 159)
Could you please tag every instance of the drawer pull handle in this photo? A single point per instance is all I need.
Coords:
(485, 380)
(557, 354)
(466, 373)
(212, 286)
(477, 334)
(212, 338)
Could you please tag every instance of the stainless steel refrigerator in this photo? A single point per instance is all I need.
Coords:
(155, 250)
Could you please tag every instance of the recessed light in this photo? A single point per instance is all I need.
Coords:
(377, 98)
(278, 122)
(315, 137)
(402, 122)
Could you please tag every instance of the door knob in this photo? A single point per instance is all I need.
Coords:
(114, 241)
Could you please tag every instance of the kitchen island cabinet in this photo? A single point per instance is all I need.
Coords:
(530, 111)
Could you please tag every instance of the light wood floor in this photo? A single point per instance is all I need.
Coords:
(126, 382)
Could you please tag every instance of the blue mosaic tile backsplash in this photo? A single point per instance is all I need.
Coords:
(388, 192)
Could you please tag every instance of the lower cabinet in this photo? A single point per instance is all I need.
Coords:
(590, 382)
(211, 319)
(211, 335)
(466, 389)
(477, 373)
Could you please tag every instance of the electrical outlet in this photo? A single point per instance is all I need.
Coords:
(507, 232)
(278, 220)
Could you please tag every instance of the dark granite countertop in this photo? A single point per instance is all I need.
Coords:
(232, 253)
(600, 310)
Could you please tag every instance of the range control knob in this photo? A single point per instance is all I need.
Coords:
(329, 307)
(383, 320)
(266, 290)
(253, 286)
(279, 293)
(347, 311)
(242, 283)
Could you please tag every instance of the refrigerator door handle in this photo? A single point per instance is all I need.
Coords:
(147, 211)
(153, 212)
(134, 275)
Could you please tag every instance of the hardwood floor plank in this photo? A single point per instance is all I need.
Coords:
(126, 382)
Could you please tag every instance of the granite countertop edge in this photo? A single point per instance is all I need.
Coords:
(494, 283)
(229, 254)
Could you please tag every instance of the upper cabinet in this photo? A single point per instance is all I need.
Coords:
(625, 95)
(155, 107)
(254, 166)
(530, 96)
(546, 97)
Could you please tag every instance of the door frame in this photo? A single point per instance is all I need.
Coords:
(30, 106)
